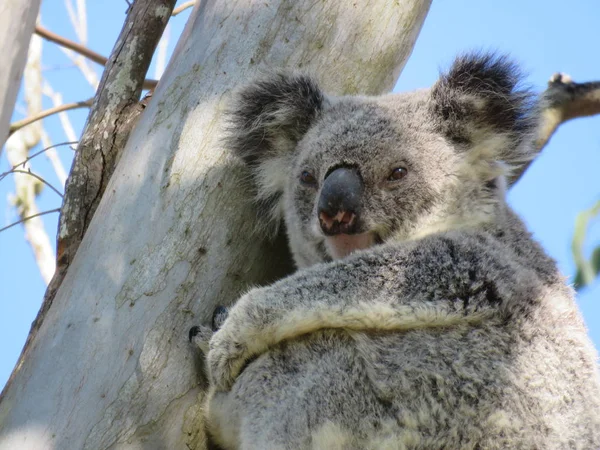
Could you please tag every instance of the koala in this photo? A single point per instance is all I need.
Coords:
(423, 314)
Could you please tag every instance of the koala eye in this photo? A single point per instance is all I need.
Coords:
(308, 179)
(397, 174)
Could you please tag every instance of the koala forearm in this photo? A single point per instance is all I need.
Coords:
(394, 298)
(297, 319)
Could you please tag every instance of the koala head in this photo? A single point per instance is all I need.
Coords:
(346, 173)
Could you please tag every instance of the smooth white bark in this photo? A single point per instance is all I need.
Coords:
(17, 21)
(111, 366)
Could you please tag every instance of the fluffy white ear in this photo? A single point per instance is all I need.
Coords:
(479, 104)
(266, 121)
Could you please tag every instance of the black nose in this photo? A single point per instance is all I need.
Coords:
(340, 201)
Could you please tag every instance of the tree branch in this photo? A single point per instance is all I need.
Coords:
(565, 100)
(26, 160)
(182, 8)
(82, 50)
(48, 112)
(72, 45)
(29, 172)
(562, 100)
(25, 219)
(60, 144)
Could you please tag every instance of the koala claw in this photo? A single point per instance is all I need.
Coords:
(193, 332)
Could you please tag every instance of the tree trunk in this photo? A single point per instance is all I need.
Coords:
(110, 366)
(17, 21)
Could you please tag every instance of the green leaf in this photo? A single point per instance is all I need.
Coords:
(595, 260)
(587, 270)
(578, 281)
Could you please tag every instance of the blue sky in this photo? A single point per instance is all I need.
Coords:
(544, 36)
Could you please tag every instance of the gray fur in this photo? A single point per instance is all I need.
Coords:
(454, 330)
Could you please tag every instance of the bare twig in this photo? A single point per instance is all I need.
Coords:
(52, 156)
(82, 50)
(563, 100)
(182, 8)
(29, 172)
(150, 84)
(71, 45)
(22, 163)
(25, 219)
(48, 112)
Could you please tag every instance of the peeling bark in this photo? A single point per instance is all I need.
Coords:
(110, 366)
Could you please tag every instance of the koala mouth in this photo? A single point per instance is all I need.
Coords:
(341, 245)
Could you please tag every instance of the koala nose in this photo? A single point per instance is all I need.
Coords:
(340, 202)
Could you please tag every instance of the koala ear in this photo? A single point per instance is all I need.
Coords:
(479, 103)
(266, 121)
(271, 115)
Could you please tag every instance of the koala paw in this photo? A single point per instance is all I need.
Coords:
(225, 358)
(201, 336)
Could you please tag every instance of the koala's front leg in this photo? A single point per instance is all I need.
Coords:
(334, 295)
(348, 294)
(436, 282)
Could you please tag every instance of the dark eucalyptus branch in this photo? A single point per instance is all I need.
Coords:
(563, 100)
